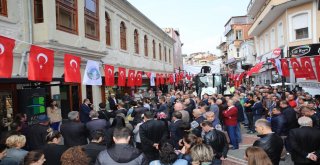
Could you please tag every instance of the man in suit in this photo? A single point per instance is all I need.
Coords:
(290, 114)
(96, 123)
(175, 130)
(163, 106)
(74, 132)
(113, 102)
(84, 111)
(185, 114)
(304, 142)
(151, 133)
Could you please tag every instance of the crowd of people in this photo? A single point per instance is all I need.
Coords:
(177, 128)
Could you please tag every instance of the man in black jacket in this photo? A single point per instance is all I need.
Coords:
(152, 132)
(271, 143)
(290, 115)
(95, 146)
(121, 152)
(305, 143)
(175, 129)
(96, 123)
(74, 132)
(278, 122)
(217, 140)
(36, 136)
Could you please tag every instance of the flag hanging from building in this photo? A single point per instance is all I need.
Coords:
(92, 74)
(273, 62)
(6, 56)
(131, 78)
(138, 80)
(317, 65)
(307, 67)
(109, 75)
(285, 68)
(152, 82)
(72, 68)
(296, 67)
(161, 79)
(148, 74)
(41, 61)
(278, 66)
(121, 77)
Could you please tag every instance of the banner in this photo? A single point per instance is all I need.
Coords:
(152, 82)
(92, 74)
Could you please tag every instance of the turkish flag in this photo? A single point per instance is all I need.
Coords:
(121, 77)
(273, 62)
(6, 56)
(138, 78)
(171, 80)
(131, 78)
(158, 80)
(161, 79)
(148, 74)
(307, 67)
(317, 64)
(285, 68)
(41, 61)
(298, 72)
(109, 75)
(72, 68)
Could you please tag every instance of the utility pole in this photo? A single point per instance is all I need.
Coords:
(283, 80)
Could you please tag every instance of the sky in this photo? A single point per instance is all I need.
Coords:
(200, 22)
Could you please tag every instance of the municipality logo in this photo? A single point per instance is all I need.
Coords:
(93, 73)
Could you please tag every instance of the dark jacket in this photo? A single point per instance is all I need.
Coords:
(272, 144)
(37, 136)
(84, 113)
(52, 153)
(176, 132)
(121, 154)
(240, 111)
(218, 141)
(152, 131)
(278, 124)
(197, 131)
(97, 124)
(74, 133)
(257, 108)
(303, 141)
(291, 118)
(136, 114)
(92, 150)
(112, 104)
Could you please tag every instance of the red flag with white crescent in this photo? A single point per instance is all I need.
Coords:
(109, 75)
(285, 68)
(296, 67)
(72, 68)
(317, 64)
(121, 77)
(41, 61)
(158, 79)
(131, 78)
(161, 79)
(307, 67)
(273, 62)
(171, 79)
(148, 74)
(6, 56)
(138, 78)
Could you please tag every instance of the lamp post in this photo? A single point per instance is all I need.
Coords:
(283, 79)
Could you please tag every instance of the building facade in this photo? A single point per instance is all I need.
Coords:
(109, 31)
(177, 47)
(282, 24)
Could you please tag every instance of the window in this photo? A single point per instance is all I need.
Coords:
(261, 46)
(165, 54)
(154, 49)
(239, 35)
(280, 34)
(38, 11)
(67, 16)
(3, 8)
(108, 29)
(300, 25)
(136, 41)
(160, 54)
(272, 39)
(91, 19)
(169, 56)
(146, 45)
(266, 43)
(123, 36)
(302, 33)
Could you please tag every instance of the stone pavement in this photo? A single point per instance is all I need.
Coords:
(236, 157)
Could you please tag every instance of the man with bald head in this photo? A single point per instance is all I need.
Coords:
(185, 115)
(198, 118)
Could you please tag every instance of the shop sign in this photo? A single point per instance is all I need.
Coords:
(304, 50)
(310, 84)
